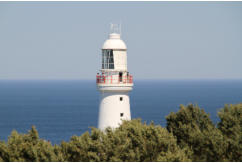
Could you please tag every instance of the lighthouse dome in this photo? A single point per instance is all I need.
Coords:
(114, 42)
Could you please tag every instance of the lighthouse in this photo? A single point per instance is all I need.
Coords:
(114, 82)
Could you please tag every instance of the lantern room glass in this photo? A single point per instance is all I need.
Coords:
(107, 59)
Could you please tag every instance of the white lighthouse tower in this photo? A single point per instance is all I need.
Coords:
(114, 82)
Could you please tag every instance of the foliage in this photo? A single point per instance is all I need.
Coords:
(3, 151)
(194, 129)
(132, 141)
(28, 147)
(231, 127)
(190, 135)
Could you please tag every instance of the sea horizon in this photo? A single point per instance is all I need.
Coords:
(62, 108)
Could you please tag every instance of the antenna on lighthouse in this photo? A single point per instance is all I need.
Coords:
(115, 28)
(120, 28)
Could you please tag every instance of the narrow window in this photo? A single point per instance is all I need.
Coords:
(111, 62)
(121, 98)
(103, 60)
(120, 76)
(121, 114)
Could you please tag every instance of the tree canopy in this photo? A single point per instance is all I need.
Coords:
(231, 127)
(194, 130)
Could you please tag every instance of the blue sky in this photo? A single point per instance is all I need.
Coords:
(165, 40)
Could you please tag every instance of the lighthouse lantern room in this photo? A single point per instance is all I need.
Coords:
(114, 82)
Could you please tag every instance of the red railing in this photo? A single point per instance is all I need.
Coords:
(103, 79)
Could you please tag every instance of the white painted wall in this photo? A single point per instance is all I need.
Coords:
(120, 60)
(111, 107)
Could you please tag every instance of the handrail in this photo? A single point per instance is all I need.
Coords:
(112, 79)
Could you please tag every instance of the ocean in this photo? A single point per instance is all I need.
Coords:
(60, 109)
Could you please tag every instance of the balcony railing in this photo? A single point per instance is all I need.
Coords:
(113, 79)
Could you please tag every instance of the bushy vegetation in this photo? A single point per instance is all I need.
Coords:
(190, 135)
(194, 130)
(231, 128)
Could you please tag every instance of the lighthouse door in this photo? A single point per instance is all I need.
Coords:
(120, 76)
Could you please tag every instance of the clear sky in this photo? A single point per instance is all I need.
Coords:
(165, 40)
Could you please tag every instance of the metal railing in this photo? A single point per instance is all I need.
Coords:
(114, 79)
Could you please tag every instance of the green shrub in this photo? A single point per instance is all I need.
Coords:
(132, 141)
(194, 130)
(3, 152)
(28, 147)
(231, 127)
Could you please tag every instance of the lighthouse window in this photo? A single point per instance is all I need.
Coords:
(121, 98)
(120, 76)
(121, 114)
(107, 59)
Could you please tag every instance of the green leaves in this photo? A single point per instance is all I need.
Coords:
(231, 127)
(3, 152)
(190, 135)
(194, 130)
(132, 141)
(28, 147)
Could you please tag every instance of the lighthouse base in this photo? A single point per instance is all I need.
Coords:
(114, 107)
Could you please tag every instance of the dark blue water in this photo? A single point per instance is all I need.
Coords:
(60, 109)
